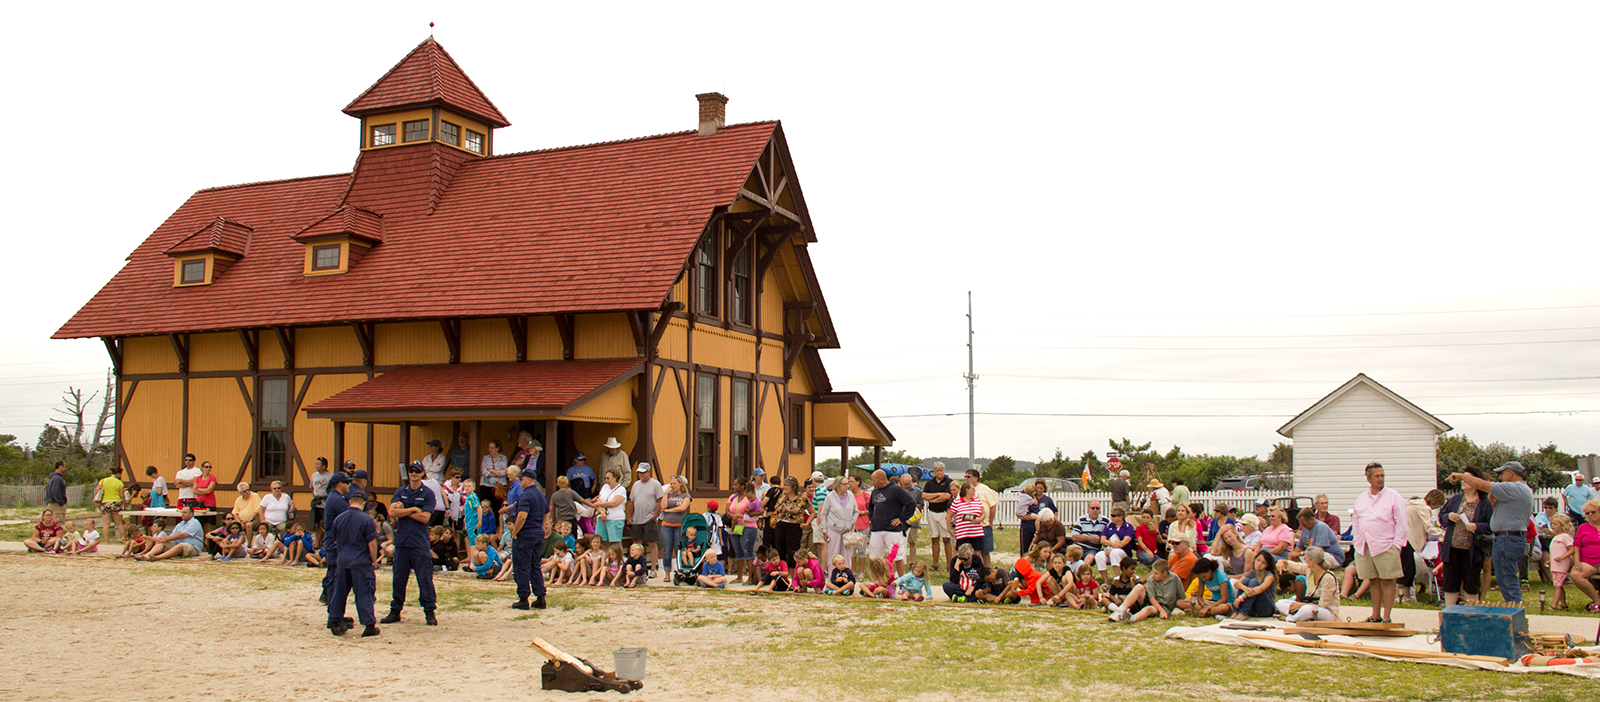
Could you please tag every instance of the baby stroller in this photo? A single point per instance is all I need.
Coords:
(686, 567)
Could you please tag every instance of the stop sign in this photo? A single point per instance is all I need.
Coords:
(1114, 464)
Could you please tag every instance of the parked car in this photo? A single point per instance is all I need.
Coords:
(1242, 483)
(1051, 485)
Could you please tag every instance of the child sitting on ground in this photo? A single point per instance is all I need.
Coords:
(597, 563)
(486, 560)
(1210, 592)
(578, 571)
(294, 547)
(712, 574)
(1118, 588)
(913, 586)
(841, 580)
(774, 572)
(263, 543)
(1159, 593)
(232, 544)
(88, 540)
(880, 582)
(1056, 581)
(1075, 558)
(1088, 587)
(135, 543)
(613, 573)
(807, 572)
(999, 588)
(634, 570)
(445, 556)
(557, 568)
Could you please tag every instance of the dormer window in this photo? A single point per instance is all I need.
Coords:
(325, 257)
(416, 130)
(450, 133)
(474, 142)
(192, 271)
(382, 135)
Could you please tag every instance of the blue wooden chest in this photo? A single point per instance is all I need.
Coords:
(1484, 631)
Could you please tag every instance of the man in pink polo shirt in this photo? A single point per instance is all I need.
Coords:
(1380, 532)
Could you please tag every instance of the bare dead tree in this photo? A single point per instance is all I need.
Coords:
(105, 413)
(74, 407)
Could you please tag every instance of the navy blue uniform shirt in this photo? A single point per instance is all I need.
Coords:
(335, 505)
(410, 533)
(533, 502)
(353, 530)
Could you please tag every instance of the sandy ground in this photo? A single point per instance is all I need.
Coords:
(106, 629)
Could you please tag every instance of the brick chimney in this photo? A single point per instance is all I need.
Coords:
(713, 112)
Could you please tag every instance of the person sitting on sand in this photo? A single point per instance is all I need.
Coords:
(712, 574)
(182, 542)
(88, 540)
(46, 535)
(1209, 592)
(1160, 594)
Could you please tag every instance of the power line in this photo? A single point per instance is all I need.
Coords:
(1314, 316)
(1297, 336)
(1293, 348)
(1201, 416)
(1272, 382)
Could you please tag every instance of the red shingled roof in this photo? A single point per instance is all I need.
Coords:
(353, 220)
(536, 385)
(427, 76)
(594, 228)
(222, 234)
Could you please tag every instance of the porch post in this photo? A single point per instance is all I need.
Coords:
(844, 456)
(474, 429)
(405, 445)
(877, 457)
(338, 446)
(549, 456)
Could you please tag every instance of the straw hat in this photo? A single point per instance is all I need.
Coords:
(1154, 483)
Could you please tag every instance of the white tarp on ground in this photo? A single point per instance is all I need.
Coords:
(1216, 634)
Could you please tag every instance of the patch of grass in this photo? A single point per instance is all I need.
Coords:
(16, 532)
(1058, 650)
(525, 617)
(597, 618)
(462, 599)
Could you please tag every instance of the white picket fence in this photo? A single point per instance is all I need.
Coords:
(1071, 505)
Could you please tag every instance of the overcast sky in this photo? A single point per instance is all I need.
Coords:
(1180, 223)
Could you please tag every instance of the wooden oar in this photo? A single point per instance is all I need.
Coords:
(1379, 650)
(1330, 631)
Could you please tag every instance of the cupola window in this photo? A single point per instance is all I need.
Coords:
(416, 130)
(450, 133)
(474, 142)
(383, 135)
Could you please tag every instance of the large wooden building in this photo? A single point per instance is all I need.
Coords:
(657, 290)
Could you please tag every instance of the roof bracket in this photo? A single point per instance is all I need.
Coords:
(180, 346)
(286, 343)
(364, 334)
(519, 335)
(252, 348)
(114, 349)
(565, 324)
(452, 337)
(667, 310)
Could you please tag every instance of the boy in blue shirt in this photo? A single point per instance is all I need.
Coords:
(712, 574)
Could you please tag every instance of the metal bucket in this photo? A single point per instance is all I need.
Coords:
(630, 663)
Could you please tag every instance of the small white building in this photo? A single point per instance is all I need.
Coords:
(1357, 424)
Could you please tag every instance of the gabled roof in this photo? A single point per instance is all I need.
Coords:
(476, 389)
(1362, 379)
(352, 220)
(221, 234)
(597, 228)
(427, 76)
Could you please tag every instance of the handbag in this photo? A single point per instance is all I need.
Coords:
(855, 539)
(738, 530)
(500, 492)
(99, 493)
(1484, 542)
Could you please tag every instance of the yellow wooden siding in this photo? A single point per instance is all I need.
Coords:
(321, 347)
(487, 340)
(614, 406)
(774, 440)
(590, 438)
(271, 353)
(602, 336)
(152, 427)
(670, 424)
(420, 433)
(675, 342)
(410, 343)
(214, 352)
(772, 358)
(314, 437)
(219, 425)
(544, 341)
(830, 421)
(806, 458)
(724, 349)
(384, 466)
(801, 382)
(772, 303)
(680, 291)
(148, 354)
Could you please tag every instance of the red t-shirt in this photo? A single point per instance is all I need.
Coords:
(209, 499)
(42, 531)
(1147, 537)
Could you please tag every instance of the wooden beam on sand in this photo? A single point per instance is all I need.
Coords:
(1375, 650)
(560, 656)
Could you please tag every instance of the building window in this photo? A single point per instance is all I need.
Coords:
(705, 431)
(325, 257)
(416, 131)
(706, 269)
(797, 427)
(193, 271)
(382, 135)
(474, 142)
(739, 430)
(449, 133)
(273, 461)
(739, 290)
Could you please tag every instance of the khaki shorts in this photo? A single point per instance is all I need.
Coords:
(1383, 566)
(938, 525)
(184, 550)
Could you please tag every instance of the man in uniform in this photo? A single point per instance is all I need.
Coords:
(336, 504)
(411, 508)
(357, 535)
(530, 512)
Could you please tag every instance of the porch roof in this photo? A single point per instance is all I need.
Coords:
(845, 416)
(480, 391)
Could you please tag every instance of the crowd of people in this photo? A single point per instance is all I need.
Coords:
(1159, 556)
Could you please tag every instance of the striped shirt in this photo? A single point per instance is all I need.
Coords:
(965, 527)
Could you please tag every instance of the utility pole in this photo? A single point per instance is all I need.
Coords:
(972, 403)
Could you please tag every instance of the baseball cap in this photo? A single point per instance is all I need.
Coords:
(579, 456)
(1597, 480)
(350, 464)
(337, 478)
(817, 475)
(435, 442)
(644, 467)
(1512, 465)
(414, 467)
(1263, 502)
(711, 506)
(759, 471)
(359, 475)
